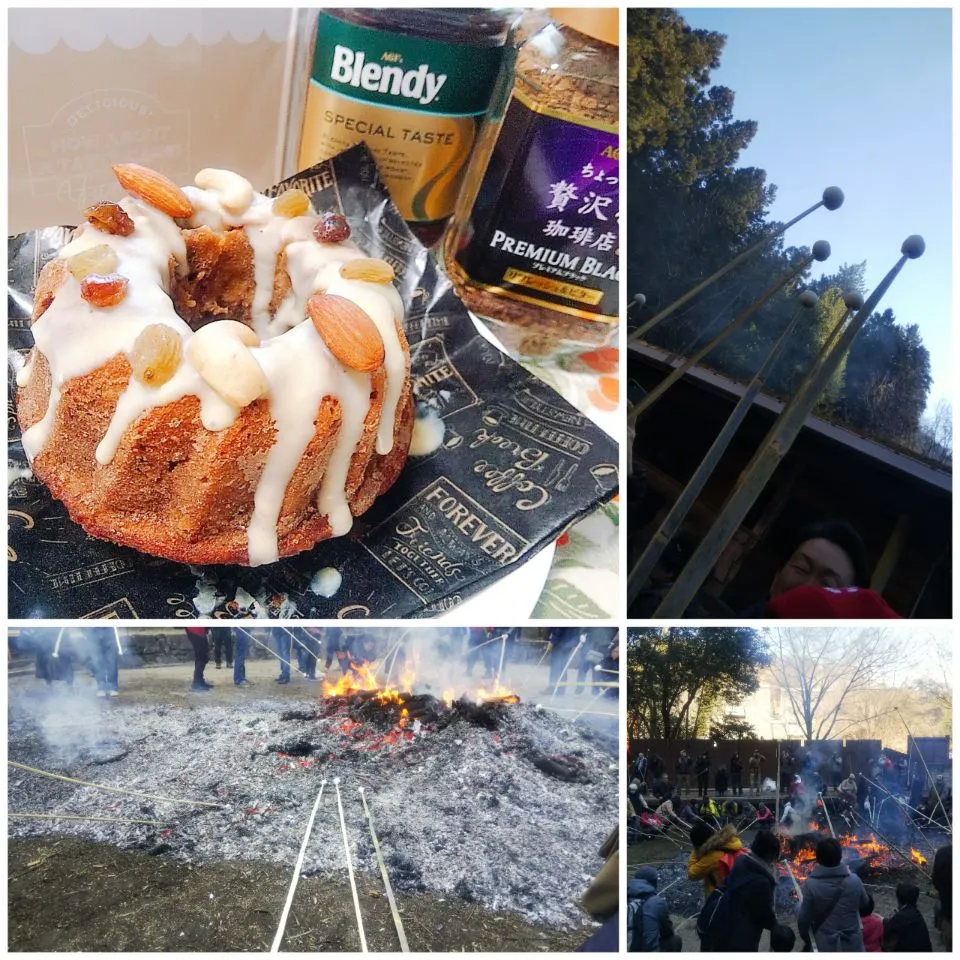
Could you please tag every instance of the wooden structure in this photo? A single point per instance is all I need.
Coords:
(900, 504)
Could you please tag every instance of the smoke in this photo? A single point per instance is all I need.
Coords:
(70, 724)
(445, 662)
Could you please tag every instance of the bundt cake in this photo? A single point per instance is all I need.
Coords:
(217, 376)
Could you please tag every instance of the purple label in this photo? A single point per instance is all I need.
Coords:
(545, 224)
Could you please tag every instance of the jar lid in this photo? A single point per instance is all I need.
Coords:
(601, 23)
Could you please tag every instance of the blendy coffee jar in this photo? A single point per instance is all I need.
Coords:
(534, 245)
(414, 85)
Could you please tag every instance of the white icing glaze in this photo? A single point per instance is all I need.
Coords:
(428, 431)
(77, 339)
(326, 582)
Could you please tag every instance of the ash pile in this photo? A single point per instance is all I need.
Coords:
(499, 803)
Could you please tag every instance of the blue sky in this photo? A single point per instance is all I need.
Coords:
(860, 98)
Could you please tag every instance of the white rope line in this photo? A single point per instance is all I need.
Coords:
(71, 816)
(307, 650)
(353, 883)
(100, 786)
(269, 650)
(566, 666)
(602, 693)
(296, 873)
(398, 923)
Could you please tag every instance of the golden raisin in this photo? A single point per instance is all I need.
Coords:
(156, 355)
(369, 269)
(110, 217)
(332, 228)
(103, 291)
(99, 259)
(291, 203)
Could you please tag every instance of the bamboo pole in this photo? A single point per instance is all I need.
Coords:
(796, 886)
(590, 704)
(832, 199)
(933, 786)
(304, 647)
(826, 813)
(821, 252)
(643, 568)
(904, 803)
(70, 816)
(776, 815)
(353, 882)
(893, 847)
(298, 866)
(100, 786)
(503, 653)
(772, 450)
(269, 649)
(397, 922)
(566, 666)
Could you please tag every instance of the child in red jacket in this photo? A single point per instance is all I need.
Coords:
(872, 924)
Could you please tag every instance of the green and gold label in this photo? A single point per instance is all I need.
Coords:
(415, 102)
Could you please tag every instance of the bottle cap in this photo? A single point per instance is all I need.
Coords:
(601, 23)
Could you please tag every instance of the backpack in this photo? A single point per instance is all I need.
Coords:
(713, 920)
(635, 924)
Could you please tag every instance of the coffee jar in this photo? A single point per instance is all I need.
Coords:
(534, 244)
(414, 85)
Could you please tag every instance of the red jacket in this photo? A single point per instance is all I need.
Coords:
(872, 933)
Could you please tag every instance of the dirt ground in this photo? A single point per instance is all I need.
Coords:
(71, 895)
(881, 888)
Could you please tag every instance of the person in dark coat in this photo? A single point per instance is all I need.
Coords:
(906, 931)
(682, 769)
(720, 781)
(747, 906)
(336, 648)
(736, 775)
(104, 653)
(702, 770)
(649, 927)
(222, 646)
(943, 884)
(832, 900)
(201, 657)
(656, 765)
(241, 644)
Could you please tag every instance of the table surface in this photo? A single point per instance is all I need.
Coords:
(583, 582)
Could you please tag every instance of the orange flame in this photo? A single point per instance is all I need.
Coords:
(355, 680)
(917, 857)
(499, 692)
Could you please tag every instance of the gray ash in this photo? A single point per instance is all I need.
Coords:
(504, 805)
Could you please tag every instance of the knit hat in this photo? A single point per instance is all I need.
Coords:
(830, 603)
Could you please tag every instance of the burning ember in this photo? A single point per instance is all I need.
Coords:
(859, 853)
(477, 797)
(361, 679)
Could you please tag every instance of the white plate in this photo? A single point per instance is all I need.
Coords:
(510, 600)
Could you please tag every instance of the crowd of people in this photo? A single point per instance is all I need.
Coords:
(589, 654)
(835, 914)
(835, 911)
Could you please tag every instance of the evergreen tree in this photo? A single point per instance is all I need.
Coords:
(690, 209)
